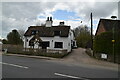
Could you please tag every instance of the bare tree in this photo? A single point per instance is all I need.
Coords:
(21, 32)
(82, 35)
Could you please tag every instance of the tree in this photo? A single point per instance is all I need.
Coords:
(82, 35)
(4, 41)
(14, 38)
(21, 32)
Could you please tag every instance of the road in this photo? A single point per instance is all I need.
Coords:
(23, 67)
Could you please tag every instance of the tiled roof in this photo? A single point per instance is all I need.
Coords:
(109, 24)
(48, 31)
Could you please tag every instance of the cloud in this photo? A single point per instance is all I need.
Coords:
(20, 15)
(99, 9)
(119, 10)
(0, 20)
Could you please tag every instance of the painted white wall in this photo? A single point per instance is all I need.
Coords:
(72, 37)
(56, 39)
(66, 42)
(26, 43)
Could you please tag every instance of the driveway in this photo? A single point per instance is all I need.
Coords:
(79, 56)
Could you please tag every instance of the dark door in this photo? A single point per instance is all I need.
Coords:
(45, 45)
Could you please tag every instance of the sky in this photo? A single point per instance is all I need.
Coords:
(21, 15)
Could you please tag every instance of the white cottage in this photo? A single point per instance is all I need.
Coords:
(52, 38)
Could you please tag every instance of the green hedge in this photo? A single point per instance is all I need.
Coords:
(103, 43)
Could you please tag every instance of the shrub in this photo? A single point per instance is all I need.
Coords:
(103, 43)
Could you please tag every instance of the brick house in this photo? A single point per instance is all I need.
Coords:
(107, 25)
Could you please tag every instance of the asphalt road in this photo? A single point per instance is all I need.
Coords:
(22, 67)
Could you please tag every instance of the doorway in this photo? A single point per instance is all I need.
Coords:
(45, 44)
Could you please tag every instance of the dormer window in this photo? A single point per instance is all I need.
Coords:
(57, 33)
(34, 32)
(37, 31)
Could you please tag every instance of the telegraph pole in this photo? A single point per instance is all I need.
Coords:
(113, 41)
(91, 31)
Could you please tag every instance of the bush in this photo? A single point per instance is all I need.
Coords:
(82, 39)
(103, 43)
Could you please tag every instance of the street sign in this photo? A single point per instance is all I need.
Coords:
(104, 56)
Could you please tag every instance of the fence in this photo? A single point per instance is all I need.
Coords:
(110, 57)
(18, 49)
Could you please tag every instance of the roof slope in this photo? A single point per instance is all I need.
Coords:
(48, 31)
(109, 24)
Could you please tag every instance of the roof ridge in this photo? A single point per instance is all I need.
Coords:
(109, 19)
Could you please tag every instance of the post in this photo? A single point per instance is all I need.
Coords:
(91, 32)
(113, 41)
(25, 43)
(113, 52)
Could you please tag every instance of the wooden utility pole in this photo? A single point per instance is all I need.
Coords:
(91, 31)
(113, 41)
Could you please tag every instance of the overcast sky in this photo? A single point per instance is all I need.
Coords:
(20, 15)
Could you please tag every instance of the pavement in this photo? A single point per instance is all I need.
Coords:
(77, 57)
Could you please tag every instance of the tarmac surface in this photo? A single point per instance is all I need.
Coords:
(26, 67)
(78, 57)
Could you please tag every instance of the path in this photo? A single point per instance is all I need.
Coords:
(78, 56)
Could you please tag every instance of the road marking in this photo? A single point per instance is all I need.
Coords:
(14, 65)
(64, 75)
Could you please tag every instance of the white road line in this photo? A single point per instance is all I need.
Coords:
(64, 75)
(14, 65)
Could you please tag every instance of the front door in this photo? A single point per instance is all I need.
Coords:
(45, 45)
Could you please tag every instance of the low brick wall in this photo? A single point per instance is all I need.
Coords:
(56, 51)
(0, 47)
(19, 49)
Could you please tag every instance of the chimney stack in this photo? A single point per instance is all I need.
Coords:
(47, 18)
(61, 23)
(49, 22)
(50, 18)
